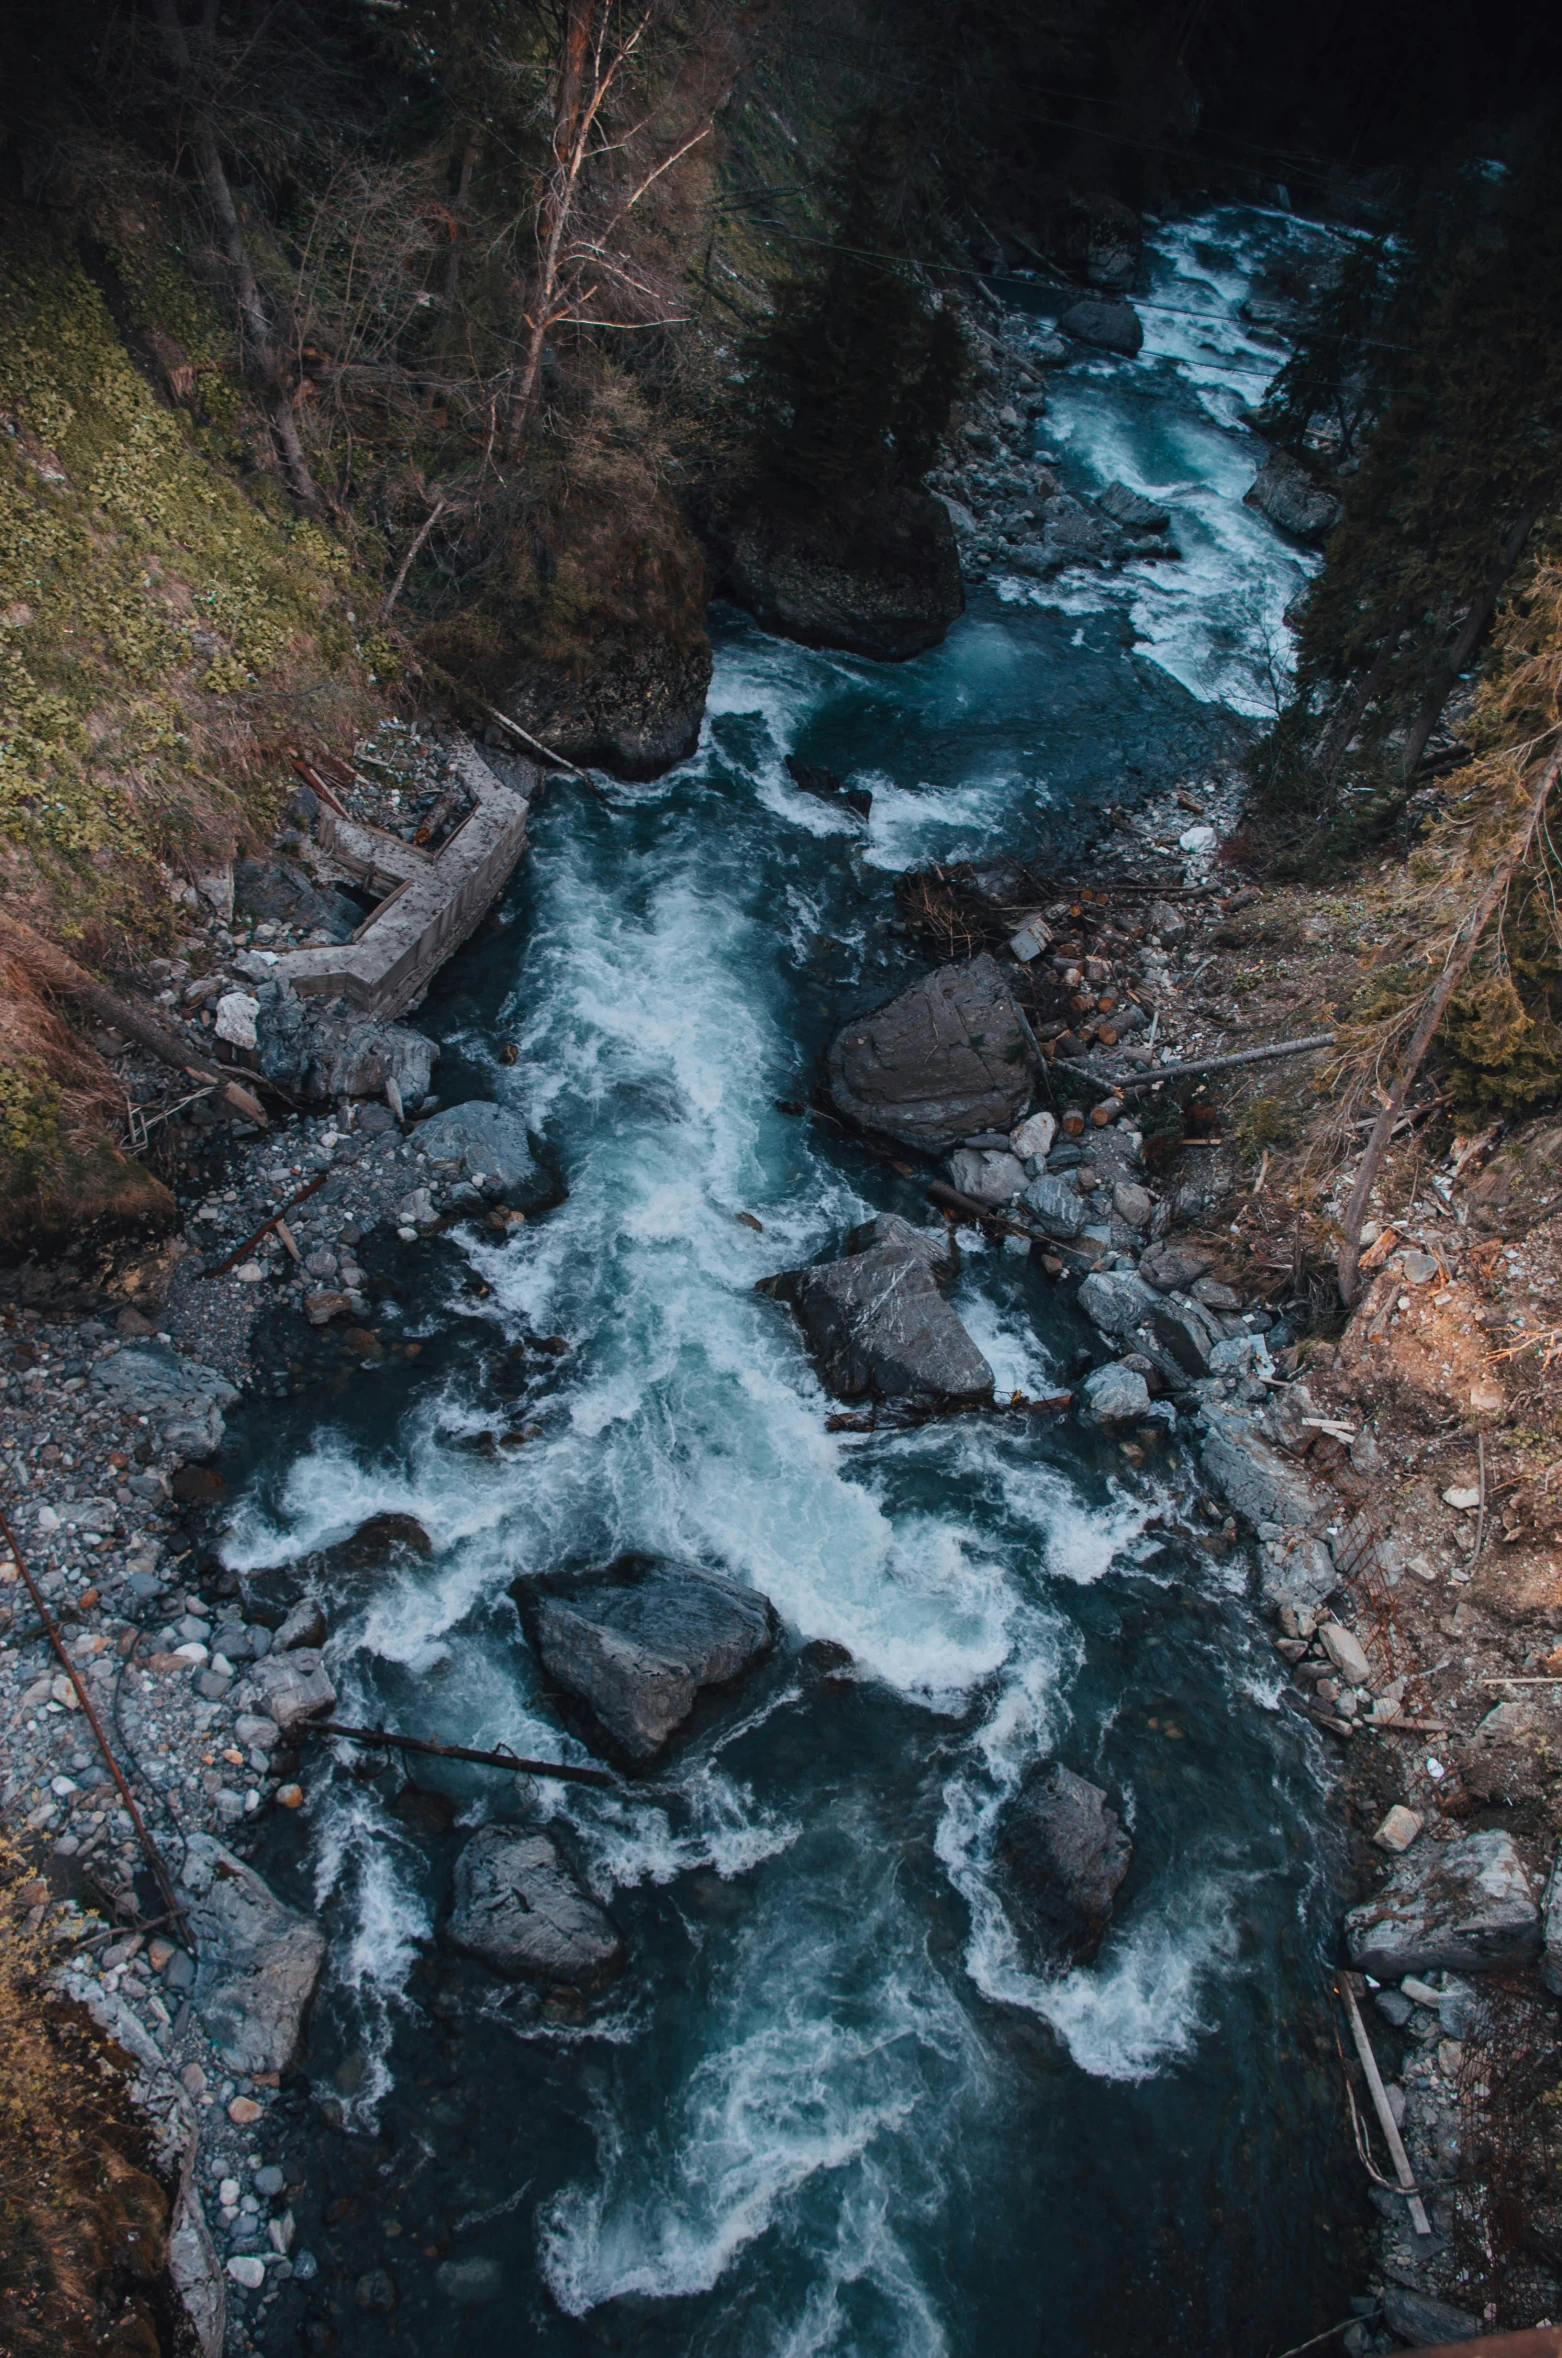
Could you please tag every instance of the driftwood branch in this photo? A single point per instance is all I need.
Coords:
(387, 1740)
(1121, 1084)
(1461, 951)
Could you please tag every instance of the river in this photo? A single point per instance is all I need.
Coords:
(825, 2109)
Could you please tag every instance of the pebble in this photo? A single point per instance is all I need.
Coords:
(247, 2270)
(243, 2110)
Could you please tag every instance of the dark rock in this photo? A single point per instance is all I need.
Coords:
(1115, 1300)
(1100, 239)
(931, 1245)
(1424, 2323)
(825, 786)
(877, 1325)
(286, 894)
(1074, 532)
(259, 1961)
(305, 1625)
(1172, 1268)
(1285, 493)
(1111, 327)
(950, 1056)
(638, 1644)
(1063, 1853)
(377, 1542)
(879, 577)
(492, 1139)
(1132, 510)
(1185, 1332)
(375, 2292)
(322, 1052)
(1455, 1907)
(520, 1911)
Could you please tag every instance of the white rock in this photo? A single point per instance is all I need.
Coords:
(48, 1520)
(1198, 839)
(228, 2192)
(236, 1013)
(1034, 1136)
(1029, 940)
(1344, 1650)
(192, 1651)
(248, 2271)
(1461, 1497)
(1399, 1829)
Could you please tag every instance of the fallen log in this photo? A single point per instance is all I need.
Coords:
(387, 1740)
(278, 1220)
(1121, 1083)
(890, 1419)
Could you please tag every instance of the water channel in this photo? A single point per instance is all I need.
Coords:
(826, 2109)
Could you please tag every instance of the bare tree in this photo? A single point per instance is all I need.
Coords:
(584, 274)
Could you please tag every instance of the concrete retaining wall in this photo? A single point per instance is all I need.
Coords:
(434, 899)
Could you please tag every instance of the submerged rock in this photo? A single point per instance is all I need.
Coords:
(259, 1960)
(521, 1912)
(1063, 1853)
(949, 1057)
(487, 1138)
(1285, 493)
(1460, 1907)
(1132, 510)
(879, 577)
(638, 1644)
(878, 1326)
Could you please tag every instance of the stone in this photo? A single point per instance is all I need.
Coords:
(1108, 326)
(1260, 1482)
(520, 1911)
(491, 1139)
(305, 1625)
(1132, 1204)
(375, 2292)
(151, 1379)
(1030, 939)
(1418, 1268)
(1116, 1300)
(638, 1644)
(293, 1688)
(877, 574)
(1298, 1570)
(247, 2270)
(1185, 1332)
(1551, 1952)
(1114, 1395)
(986, 1176)
(877, 1325)
(244, 2112)
(1056, 1207)
(1172, 1268)
(1063, 1854)
(1423, 2322)
(950, 1056)
(931, 1245)
(1034, 1136)
(259, 1960)
(322, 1051)
(1290, 498)
(1132, 510)
(1346, 1652)
(1399, 1829)
(1455, 1907)
(196, 2272)
(469, 2284)
(236, 1013)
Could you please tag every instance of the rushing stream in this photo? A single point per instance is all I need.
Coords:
(825, 2109)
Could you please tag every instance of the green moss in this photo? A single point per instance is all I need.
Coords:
(136, 572)
(30, 1136)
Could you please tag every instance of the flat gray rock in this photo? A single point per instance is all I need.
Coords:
(291, 1688)
(1449, 1907)
(638, 1645)
(1172, 1268)
(1424, 2322)
(259, 1960)
(1115, 1300)
(487, 1138)
(951, 1056)
(330, 1050)
(1259, 1481)
(1298, 1570)
(878, 1326)
(988, 1175)
(1063, 1854)
(1113, 1395)
(520, 1911)
(187, 1400)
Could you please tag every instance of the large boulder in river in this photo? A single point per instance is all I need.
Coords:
(1285, 493)
(877, 1325)
(877, 576)
(1063, 1854)
(490, 1141)
(1454, 1907)
(259, 1960)
(521, 1912)
(948, 1059)
(1109, 326)
(636, 1645)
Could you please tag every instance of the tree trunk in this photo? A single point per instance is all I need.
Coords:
(1461, 951)
(557, 207)
(458, 232)
(1469, 638)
